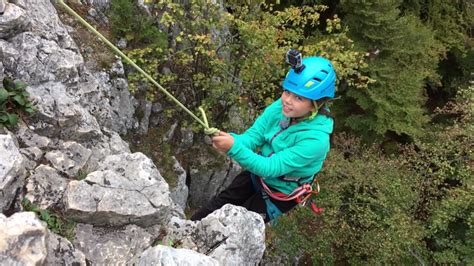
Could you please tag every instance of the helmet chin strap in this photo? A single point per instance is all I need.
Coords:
(315, 112)
(285, 123)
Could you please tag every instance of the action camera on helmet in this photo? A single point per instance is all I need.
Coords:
(294, 58)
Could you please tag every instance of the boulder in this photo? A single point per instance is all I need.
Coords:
(70, 159)
(164, 255)
(232, 235)
(45, 187)
(62, 252)
(127, 188)
(111, 246)
(12, 170)
(23, 240)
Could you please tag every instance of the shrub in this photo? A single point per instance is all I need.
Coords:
(368, 218)
(234, 57)
(54, 220)
(126, 20)
(14, 102)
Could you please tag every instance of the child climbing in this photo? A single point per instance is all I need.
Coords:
(292, 138)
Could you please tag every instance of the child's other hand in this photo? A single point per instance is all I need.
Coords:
(223, 141)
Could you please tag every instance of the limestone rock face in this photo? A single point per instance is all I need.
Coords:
(62, 252)
(12, 21)
(163, 255)
(103, 246)
(12, 170)
(179, 194)
(127, 188)
(232, 235)
(45, 187)
(205, 183)
(23, 240)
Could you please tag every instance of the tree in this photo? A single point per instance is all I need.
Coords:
(403, 54)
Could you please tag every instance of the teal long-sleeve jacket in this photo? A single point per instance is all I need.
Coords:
(297, 151)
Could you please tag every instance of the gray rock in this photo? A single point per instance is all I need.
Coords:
(62, 252)
(179, 194)
(170, 134)
(117, 144)
(2, 73)
(109, 144)
(45, 187)
(92, 12)
(108, 100)
(101, 5)
(127, 188)
(236, 118)
(29, 138)
(12, 21)
(32, 153)
(187, 136)
(157, 108)
(43, 60)
(122, 43)
(32, 156)
(164, 255)
(12, 170)
(23, 240)
(60, 114)
(70, 159)
(103, 246)
(145, 7)
(206, 183)
(117, 69)
(145, 110)
(46, 24)
(3, 5)
(232, 235)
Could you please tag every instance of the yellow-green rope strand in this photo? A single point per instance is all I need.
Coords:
(116, 50)
(208, 130)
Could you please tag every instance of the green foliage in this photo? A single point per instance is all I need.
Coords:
(413, 209)
(128, 21)
(450, 20)
(368, 216)
(55, 222)
(443, 161)
(221, 59)
(13, 102)
(404, 54)
(81, 174)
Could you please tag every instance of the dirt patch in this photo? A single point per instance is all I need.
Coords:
(97, 55)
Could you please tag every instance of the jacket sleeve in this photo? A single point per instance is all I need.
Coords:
(283, 162)
(253, 137)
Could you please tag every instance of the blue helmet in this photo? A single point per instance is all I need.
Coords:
(315, 81)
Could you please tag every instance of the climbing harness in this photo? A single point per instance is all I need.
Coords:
(301, 195)
(208, 130)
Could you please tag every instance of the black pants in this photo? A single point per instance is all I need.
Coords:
(242, 193)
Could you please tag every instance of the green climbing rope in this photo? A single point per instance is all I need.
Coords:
(208, 130)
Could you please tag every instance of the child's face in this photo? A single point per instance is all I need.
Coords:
(294, 105)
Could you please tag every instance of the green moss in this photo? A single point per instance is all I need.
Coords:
(81, 174)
